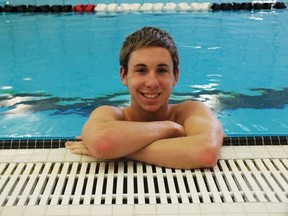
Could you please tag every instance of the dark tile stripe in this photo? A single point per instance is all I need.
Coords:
(256, 140)
(59, 143)
(33, 143)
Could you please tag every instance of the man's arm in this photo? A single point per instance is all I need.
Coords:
(161, 143)
(199, 148)
(106, 135)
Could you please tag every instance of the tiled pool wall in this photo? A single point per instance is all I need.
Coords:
(50, 143)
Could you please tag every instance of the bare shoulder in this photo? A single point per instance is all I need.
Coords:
(197, 118)
(192, 105)
(107, 113)
(191, 109)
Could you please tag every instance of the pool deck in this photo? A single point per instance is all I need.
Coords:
(245, 155)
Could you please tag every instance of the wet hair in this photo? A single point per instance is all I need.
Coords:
(148, 37)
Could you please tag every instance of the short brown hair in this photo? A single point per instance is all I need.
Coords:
(148, 37)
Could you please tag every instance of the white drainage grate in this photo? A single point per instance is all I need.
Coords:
(126, 182)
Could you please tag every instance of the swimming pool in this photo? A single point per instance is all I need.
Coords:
(56, 68)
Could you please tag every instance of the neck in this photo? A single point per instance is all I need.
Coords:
(143, 116)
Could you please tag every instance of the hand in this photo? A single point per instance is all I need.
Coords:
(179, 130)
(77, 147)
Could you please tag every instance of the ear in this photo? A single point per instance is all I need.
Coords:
(176, 75)
(123, 76)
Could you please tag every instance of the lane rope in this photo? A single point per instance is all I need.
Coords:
(145, 7)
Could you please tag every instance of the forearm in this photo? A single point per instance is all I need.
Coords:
(117, 139)
(184, 152)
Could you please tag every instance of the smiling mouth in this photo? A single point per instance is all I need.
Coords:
(150, 95)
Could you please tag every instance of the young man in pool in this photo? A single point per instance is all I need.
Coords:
(185, 135)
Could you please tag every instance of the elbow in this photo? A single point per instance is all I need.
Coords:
(100, 145)
(210, 152)
(207, 157)
(100, 148)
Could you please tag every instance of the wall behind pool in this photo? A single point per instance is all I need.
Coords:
(74, 2)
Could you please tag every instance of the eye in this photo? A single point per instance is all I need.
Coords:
(140, 70)
(162, 70)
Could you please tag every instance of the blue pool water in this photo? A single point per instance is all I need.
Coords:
(55, 69)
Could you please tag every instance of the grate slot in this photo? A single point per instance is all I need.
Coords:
(200, 178)
(212, 185)
(32, 181)
(281, 180)
(270, 180)
(261, 181)
(223, 187)
(140, 182)
(11, 184)
(130, 183)
(119, 182)
(109, 178)
(254, 185)
(52, 179)
(151, 198)
(230, 181)
(91, 181)
(100, 184)
(192, 186)
(72, 172)
(60, 185)
(80, 183)
(241, 179)
(171, 186)
(285, 164)
(34, 198)
(282, 167)
(3, 167)
(21, 185)
(4, 180)
(182, 187)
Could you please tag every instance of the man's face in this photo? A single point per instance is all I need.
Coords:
(150, 78)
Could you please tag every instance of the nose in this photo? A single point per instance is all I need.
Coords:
(152, 80)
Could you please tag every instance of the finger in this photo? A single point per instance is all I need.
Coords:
(73, 145)
(68, 143)
(81, 151)
(78, 138)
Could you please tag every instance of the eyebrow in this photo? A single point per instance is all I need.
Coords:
(159, 65)
(140, 65)
(163, 65)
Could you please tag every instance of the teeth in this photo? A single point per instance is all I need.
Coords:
(150, 96)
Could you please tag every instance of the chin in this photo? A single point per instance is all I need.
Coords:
(151, 109)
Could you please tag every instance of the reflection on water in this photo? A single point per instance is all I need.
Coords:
(17, 103)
